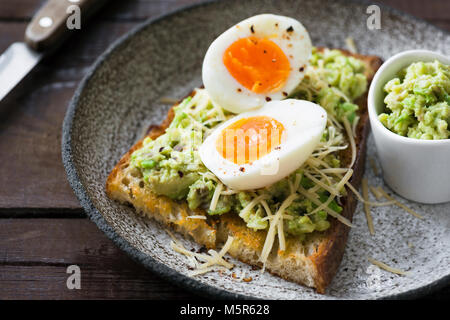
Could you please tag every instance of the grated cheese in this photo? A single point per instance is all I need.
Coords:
(351, 139)
(228, 192)
(401, 205)
(376, 192)
(365, 191)
(267, 208)
(298, 179)
(345, 179)
(326, 208)
(270, 238)
(350, 43)
(373, 204)
(373, 165)
(355, 125)
(197, 217)
(386, 267)
(330, 189)
(252, 203)
(285, 216)
(216, 195)
(209, 261)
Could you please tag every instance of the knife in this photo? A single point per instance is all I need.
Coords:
(51, 25)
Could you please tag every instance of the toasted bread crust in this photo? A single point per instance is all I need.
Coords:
(313, 265)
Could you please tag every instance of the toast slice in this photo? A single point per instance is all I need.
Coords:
(312, 263)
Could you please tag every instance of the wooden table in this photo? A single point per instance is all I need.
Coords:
(43, 229)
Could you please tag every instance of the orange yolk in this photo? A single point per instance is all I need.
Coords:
(249, 139)
(258, 64)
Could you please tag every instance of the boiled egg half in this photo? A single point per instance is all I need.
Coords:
(260, 59)
(257, 148)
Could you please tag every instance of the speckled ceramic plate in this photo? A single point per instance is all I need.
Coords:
(121, 96)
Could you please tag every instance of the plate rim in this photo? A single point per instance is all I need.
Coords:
(159, 268)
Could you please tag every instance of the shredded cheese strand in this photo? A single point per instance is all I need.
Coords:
(355, 125)
(345, 179)
(197, 217)
(328, 210)
(209, 261)
(365, 191)
(215, 198)
(376, 192)
(335, 170)
(267, 208)
(270, 238)
(373, 165)
(228, 192)
(323, 185)
(252, 203)
(285, 216)
(373, 204)
(350, 43)
(401, 205)
(387, 268)
(349, 131)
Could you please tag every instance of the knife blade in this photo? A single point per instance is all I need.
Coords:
(46, 31)
(15, 63)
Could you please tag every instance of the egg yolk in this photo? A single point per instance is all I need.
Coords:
(258, 64)
(249, 139)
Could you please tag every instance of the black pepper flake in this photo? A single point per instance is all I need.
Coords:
(301, 69)
(329, 85)
(252, 29)
(193, 107)
(161, 149)
(268, 99)
(290, 29)
(202, 250)
(242, 169)
(278, 148)
(265, 51)
(239, 90)
(181, 174)
(276, 25)
(285, 94)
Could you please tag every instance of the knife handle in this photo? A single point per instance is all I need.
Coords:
(56, 20)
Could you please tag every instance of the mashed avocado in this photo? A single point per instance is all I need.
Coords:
(172, 167)
(333, 81)
(418, 102)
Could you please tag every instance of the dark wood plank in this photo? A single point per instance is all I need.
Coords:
(35, 255)
(31, 174)
(20, 10)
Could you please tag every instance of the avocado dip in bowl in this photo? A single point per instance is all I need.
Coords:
(409, 111)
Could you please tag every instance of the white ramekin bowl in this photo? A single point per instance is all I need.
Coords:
(418, 170)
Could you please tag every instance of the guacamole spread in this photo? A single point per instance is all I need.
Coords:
(418, 101)
(171, 166)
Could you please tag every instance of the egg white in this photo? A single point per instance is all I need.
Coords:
(304, 123)
(225, 90)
